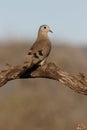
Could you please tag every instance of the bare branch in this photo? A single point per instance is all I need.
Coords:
(49, 70)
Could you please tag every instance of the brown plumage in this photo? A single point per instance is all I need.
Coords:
(42, 46)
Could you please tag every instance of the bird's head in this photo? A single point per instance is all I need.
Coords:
(45, 29)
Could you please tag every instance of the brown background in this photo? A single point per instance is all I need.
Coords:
(42, 104)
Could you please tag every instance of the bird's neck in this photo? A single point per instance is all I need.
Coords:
(42, 35)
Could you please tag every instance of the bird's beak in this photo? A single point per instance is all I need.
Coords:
(51, 31)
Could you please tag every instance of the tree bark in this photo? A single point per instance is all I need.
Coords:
(48, 70)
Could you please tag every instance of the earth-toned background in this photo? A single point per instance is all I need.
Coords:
(42, 104)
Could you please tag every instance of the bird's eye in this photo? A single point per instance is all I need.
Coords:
(45, 27)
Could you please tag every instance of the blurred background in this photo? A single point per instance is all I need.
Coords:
(43, 104)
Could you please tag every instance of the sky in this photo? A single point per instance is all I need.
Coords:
(22, 18)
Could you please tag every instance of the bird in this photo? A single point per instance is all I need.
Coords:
(41, 48)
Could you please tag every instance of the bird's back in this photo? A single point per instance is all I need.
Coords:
(40, 49)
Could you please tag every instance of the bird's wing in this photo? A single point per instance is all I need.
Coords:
(40, 50)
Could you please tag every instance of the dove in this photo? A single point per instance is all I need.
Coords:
(41, 48)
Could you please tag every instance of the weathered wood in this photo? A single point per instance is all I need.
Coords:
(49, 70)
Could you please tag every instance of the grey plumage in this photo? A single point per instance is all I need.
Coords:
(42, 46)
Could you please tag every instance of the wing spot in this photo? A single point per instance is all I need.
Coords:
(35, 55)
(30, 52)
(40, 52)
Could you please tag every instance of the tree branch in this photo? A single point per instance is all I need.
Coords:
(49, 70)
